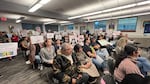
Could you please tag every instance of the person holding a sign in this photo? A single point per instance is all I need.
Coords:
(47, 53)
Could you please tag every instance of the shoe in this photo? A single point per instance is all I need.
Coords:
(28, 62)
(106, 72)
(93, 82)
(41, 67)
(1, 76)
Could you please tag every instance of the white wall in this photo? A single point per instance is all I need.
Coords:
(4, 26)
(139, 29)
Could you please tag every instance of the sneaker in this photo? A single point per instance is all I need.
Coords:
(41, 67)
(28, 62)
(106, 72)
(93, 82)
(1, 76)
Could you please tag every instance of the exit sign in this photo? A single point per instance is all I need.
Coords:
(3, 19)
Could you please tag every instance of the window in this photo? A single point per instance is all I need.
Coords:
(29, 26)
(147, 29)
(70, 27)
(100, 25)
(127, 24)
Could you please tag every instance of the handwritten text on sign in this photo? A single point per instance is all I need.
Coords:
(8, 49)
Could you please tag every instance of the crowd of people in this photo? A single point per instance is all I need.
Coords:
(84, 64)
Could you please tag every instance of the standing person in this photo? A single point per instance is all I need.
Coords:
(66, 67)
(127, 64)
(47, 53)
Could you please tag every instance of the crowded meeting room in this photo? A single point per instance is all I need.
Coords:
(74, 41)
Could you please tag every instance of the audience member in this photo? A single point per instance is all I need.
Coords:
(47, 53)
(89, 51)
(57, 46)
(66, 67)
(86, 63)
(14, 38)
(34, 56)
(126, 64)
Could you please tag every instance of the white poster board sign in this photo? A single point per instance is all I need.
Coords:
(72, 39)
(36, 39)
(58, 36)
(64, 33)
(115, 33)
(80, 40)
(8, 49)
(50, 35)
(104, 42)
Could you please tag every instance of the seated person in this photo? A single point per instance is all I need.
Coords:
(133, 79)
(120, 44)
(47, 53)
(57, 46)
(103, 53)
(90, 52)
(144, 65)
(105, 44)
(34, 54)
(127, 64)
(86, 63)
(142, 62)
(66, 67)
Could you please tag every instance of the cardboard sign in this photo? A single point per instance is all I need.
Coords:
(80, 38)
(50, 35)
(104, 42)
(8, 49)
(116, 33)
(58, 36)
(72, 39)
(36, 39)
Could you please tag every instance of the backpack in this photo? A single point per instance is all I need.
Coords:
(107, 79)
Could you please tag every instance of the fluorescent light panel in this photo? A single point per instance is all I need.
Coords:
(50, 22)
(112, 9)
(63, 22)
(143, 3)
(35, 7)
(119, 8)
(132, 15)
(38, 5)
(43, 1)
(66, 23)
(17, 21)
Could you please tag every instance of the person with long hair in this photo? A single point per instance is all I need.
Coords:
(126, 64)
(47, 53)
(86, 63)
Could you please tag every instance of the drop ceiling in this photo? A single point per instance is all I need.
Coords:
(61, 10)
